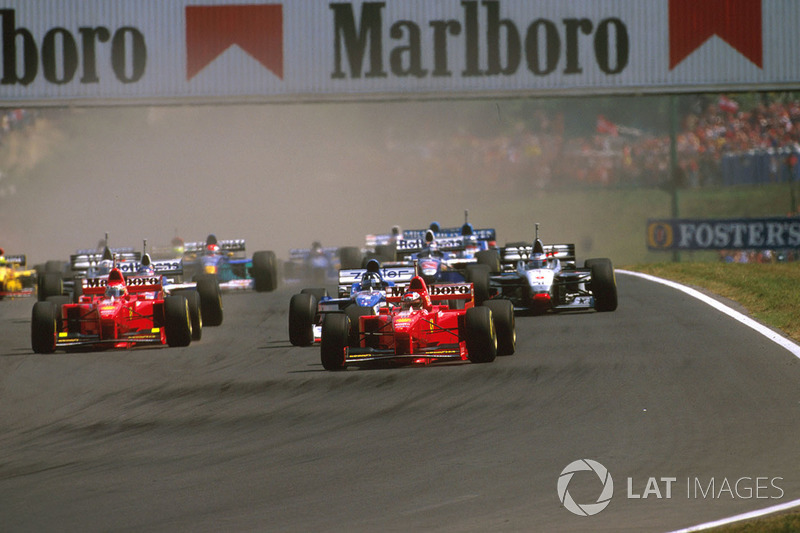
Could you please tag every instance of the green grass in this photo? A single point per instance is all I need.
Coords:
(779, 523)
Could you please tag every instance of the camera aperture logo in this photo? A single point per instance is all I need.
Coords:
(587, 509)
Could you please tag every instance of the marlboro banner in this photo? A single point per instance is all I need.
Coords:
(128, 51)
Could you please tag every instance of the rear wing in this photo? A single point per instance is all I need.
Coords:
(17, 260)
(514, 252)
(483, 234)
(230, 246)
(125, 257)
(407, 247)
(301, 254)
(399, 275)
(438, 293)
(135, 284)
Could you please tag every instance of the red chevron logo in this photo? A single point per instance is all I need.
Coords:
(693, 22)
(256, 29)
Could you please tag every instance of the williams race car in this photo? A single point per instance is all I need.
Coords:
(418, 329)
(541, 278)
(113, 312)
(361, 292)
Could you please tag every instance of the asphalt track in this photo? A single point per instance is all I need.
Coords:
(242, 432)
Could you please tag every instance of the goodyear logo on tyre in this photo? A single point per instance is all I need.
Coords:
(660, 235)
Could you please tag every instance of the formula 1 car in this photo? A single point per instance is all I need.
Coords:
(542, 278)
(319, 264)
(15, 282)
(443, 261)
(418, 329)
(204, 294)
(361, 292)
(226, 260)
(113, 312)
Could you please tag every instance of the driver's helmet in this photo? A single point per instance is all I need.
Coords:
(3, 261)
(104, 267)
(146, 266)
(115, 291)
(412, 300)
(212, 248)
(178, 246)
(370, 281)
(538, 261)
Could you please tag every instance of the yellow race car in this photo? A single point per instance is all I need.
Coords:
(15, 281)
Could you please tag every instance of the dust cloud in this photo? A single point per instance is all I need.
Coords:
(279, 176)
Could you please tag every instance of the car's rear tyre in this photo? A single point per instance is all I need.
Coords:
(43, 327)
(480, 335)
(210, 299)
(318, 292)
(490, 258)
(603, 284)
(349, 257)
(478, 275)
(265, 271)
(195, 312)
(387, 252)
(177, 321)
(51, 284)
(503, 317)
(302, 311)
(335, 340)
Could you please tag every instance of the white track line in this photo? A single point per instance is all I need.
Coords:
(745, 516)
(765, 331)
(719, 306)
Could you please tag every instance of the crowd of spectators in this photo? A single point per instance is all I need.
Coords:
(538, 153)
(14, 120)
(11, 120)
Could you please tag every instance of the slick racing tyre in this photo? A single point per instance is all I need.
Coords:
(490, 258)
(302, 311)
(334, 343)
(43, 327)
(51, 284)
(177, 321)
(603, 284)
(478, 275)
(318, 292)
(195, 311)
(210, 299)
(349, 257)
(265, 271)
(480, 335)
(503, 317)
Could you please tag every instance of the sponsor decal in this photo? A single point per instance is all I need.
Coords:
(540, 47)
(659, 235)
(773, 233)
(461, 288)
(257, 29)
(737, 22)
(65, 54)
